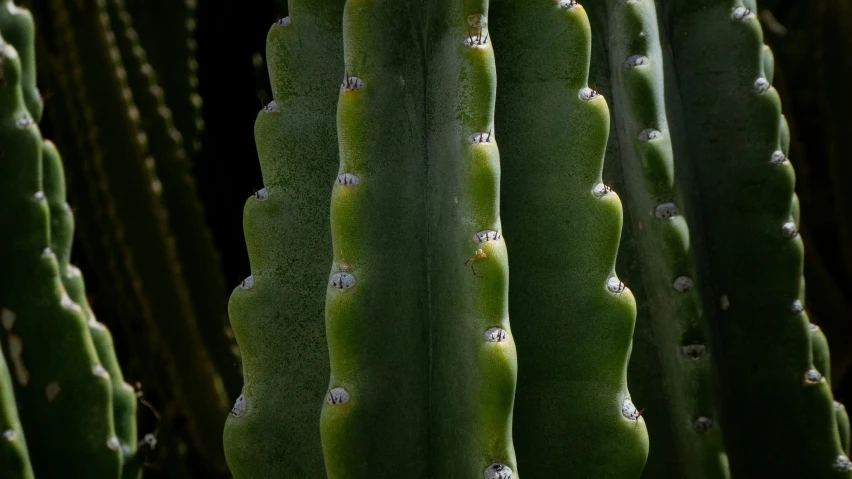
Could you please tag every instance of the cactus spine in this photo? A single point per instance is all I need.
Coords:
(277, 312)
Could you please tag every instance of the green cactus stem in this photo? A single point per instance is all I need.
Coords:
(14, 459)
(375, 419)
(277, 312)
(670, 373)
(63, 392)
(19, 30)
(419, 256)
(573, 318)
(61, 237)
(751, 253)
(473, 357)
(843, 426)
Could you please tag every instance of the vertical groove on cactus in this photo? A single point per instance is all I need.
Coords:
(277, 312)
(63, 391)
(572, 317)
(131, 183)
(194, 244)
(752, 265)
(671, 365)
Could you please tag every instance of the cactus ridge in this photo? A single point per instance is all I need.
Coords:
(671, 368)
(563, 225)
(61, 238)
(276, 313)
(63, 391)
(750, 252)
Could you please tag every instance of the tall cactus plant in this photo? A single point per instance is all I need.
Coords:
(73, 404)
(276, 312)
(693, 139)
(400, 360)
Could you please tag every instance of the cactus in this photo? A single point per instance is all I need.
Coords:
(402, 199)
(13, 447)
(660, 330)
(64, 393)
(276, 313)
(193, 242)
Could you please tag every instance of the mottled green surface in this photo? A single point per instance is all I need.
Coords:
(277, 312)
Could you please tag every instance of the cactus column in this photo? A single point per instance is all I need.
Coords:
(573, 318)
(277, 312)
(62, 389)
(752, 253)
(671, 364)
(418, 249)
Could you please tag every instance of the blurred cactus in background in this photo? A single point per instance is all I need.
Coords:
(627, 161)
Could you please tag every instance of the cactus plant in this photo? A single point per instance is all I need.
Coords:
(682, 248)
(276, 312)
(642, 185)
(62, 363)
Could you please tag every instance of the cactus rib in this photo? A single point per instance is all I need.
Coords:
(62, 389)
(277, 312)
(473, 359)
(148, 249)
(61, 237)
(572, 317)
(752, 263)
